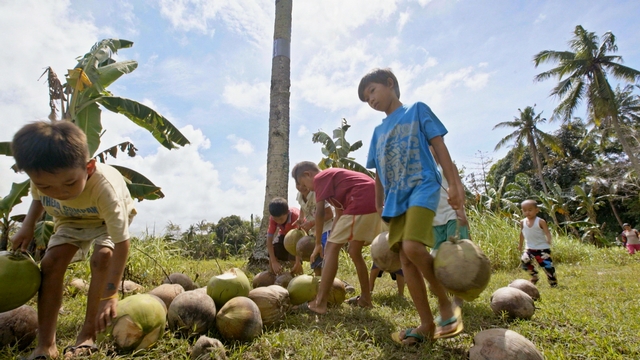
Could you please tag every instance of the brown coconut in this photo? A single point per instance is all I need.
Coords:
(292, 238)
(264, 278)
(502, 344)
(515, 302)
(273, 302)
(77, 286)
(305, 247)
(202, 289)
(182, 279)
(381, 254)
(192, 313)
(284, 279)
(167, 292)
(526, 286)
(239, 319)
(462, 268)
(18, 327)
(130, 287)
(208, 348)
(337, 294)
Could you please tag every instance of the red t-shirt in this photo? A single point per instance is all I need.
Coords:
(294, 214)
(352, 192)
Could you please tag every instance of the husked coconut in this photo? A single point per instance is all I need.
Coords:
(18, 327)
(292, 238)
(382, 256)
(140, 322)
(191, 313)
(514, 301)
(305, 246)
(239, 319)
(167, 292)
(502, 344)
(337, 294)
(208, 348)
(526, 286)
(462, 268)
(77, 286)
(284, 279)
(130, 287)
(273, 302)
(228, 285)
(264, 278)
(182, 279)
(303, 288)
(19, 279)
(202, 289)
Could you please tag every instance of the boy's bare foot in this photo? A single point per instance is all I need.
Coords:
(85, 349)
(359, 301)
(317, 309)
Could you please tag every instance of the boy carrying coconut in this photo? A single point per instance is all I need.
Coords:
(90, 204)
(356, 222)
(282, 220)
(407, 194)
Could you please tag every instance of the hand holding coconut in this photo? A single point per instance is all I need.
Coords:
(281, 222)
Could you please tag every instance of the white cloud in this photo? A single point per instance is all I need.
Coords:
(243, 95)
(243, 146)
(540, 18)
(303, 131)
(403, 19)
(439, 90)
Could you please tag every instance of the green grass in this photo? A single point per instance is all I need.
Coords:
(593, 314)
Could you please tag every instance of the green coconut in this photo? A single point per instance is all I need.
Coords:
(140, 322)
(303, 288)
(239, 319)
(182, 279)
(264, 278)
(292, 238)
(515, 302)
(167, 292)
(462, 268)
(18, 327)
(19, 279)
(305, 247)
(502, 344)
(192, 313)
(273, 302)
(228, 285)
(382, 256)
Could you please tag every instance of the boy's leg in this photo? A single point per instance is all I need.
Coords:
(527, 264)
(53, 266)
(355, 252)
(375, 272)
(400, 282)
(545, 261)
(329, 271)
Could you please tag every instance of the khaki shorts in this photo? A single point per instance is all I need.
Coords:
(416, 225)
(356, 227)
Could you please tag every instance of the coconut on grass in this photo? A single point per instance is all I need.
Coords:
(292, 238)
(18, 327)
(226, 286)
(182, 279)
(382, 256)
(239, 319)
(19, 279)
(337, 294)
(208, 348)
(515, 302)
(303, 288)
(273, 302)
(140, 322)
(284, 279)
(305, 246)
(502, 344)
(77, 286)
(462, 268)
(264, 278)
(130, 287)
(167, 292)
(192, 313)
(526, 286)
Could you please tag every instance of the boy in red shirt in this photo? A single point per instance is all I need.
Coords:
(282, 220)
(352, 194)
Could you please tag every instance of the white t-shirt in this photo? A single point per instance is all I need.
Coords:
(105, 200)
(309, 208)
(534, 235)
(445, 212)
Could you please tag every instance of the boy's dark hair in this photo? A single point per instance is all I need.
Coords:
(378, 76)
(50, 146)
(303, 166)
(278, 207)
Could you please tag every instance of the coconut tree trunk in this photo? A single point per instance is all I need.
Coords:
(615, 212)
(625, 144)
(537, 162)
(278, 148)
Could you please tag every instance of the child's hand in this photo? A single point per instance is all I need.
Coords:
(317, 251)
(296, 269)
(22, 238)
(276, 268)
(106, 313)
(454, 198)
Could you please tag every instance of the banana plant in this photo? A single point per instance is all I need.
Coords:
(7, 203)
(337, 152)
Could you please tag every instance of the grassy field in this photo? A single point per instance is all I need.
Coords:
(594, 313)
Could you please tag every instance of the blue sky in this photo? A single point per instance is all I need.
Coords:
(206, 66)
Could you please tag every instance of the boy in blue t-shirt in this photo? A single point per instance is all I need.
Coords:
(407, 195)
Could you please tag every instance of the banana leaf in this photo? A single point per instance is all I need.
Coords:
(18, 191)
(5, 148)
(352, 165)
(42, 233)
(88, 119)
(147, 118)
(139, 186)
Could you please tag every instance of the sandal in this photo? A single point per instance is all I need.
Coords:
(408, 333)
(79, 351)
(455, 330)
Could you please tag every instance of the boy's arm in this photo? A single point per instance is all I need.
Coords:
(521, 239)
(449, 172)
(320, 214)
(23, 237)
(109, 297)
(379, 195)
(545, 229)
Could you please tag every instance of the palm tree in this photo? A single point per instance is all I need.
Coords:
(278, 148)
(527, 134)
(582, 74)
